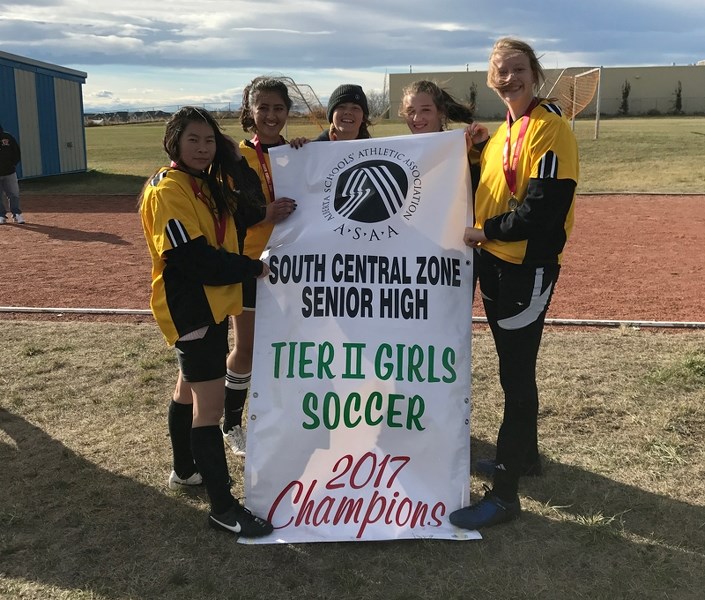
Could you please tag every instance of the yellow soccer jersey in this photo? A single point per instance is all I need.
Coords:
(547, 173)
(173, 216)
(258, 234)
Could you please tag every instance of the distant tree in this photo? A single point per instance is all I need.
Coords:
(678, 101)
(624, 106)
(378, 103)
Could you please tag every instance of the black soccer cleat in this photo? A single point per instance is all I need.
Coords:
(240, 521)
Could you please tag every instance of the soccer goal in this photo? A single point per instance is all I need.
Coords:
(306, 101)
(573, 91)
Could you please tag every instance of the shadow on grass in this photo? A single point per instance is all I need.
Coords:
(588, 496)
(78, 515)
(68, 524)
(88, 183)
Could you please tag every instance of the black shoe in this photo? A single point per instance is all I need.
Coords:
(487, 512)
(485, 466)
(240, 521)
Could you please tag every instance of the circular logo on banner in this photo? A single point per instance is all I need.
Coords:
(371, 192)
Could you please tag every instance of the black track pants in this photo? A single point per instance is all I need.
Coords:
(516, 299)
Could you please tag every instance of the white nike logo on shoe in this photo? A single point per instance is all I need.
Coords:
(234, 528)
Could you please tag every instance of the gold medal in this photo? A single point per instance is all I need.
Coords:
(510, 161)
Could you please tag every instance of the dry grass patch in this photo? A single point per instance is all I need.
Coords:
(85, 513)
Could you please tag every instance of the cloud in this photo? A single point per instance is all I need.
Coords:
(218, 42)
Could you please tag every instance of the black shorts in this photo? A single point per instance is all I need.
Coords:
(249, 293)
(204, 359)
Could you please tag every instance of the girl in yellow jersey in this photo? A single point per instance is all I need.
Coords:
(190, 216)
(265, 108)
(523, 217)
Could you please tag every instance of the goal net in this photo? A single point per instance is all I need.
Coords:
(574, 90)
(306, 102)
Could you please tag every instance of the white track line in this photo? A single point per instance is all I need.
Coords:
(572, 322)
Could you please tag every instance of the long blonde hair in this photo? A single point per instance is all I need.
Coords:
(510, 46)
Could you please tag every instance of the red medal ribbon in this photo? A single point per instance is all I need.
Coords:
(263, 163)
(510, 169)
(219, 223)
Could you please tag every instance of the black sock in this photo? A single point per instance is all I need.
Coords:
(505, 486)
(236, 387)
(180, 419)
(209, 454)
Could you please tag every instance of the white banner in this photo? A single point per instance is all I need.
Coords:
(360, 397)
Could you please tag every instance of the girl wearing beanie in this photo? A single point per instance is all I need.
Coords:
(348, 114)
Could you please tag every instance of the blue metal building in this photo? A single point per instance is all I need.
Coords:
(41, 105)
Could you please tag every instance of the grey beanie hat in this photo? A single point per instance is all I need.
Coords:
(347, 92)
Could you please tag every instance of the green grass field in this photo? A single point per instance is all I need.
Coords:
(648, 155)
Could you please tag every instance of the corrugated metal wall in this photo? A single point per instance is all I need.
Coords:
(69, 125)
(46, 105)
(42, 106)
(29, 136)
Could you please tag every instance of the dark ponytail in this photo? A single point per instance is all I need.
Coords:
(235, 188)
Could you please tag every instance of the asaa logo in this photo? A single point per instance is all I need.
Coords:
(371, 192)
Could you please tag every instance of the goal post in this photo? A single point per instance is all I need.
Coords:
(587, 83)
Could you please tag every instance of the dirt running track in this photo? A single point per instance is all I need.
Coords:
(630, 257)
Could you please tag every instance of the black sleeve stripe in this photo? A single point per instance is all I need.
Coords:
(548, 166)
(157, 178)
(553, 108)
(176, 233)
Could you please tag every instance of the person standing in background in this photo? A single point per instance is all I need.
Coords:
(9, 186)
(523, 216)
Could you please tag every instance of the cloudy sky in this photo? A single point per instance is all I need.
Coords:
(142, 54)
